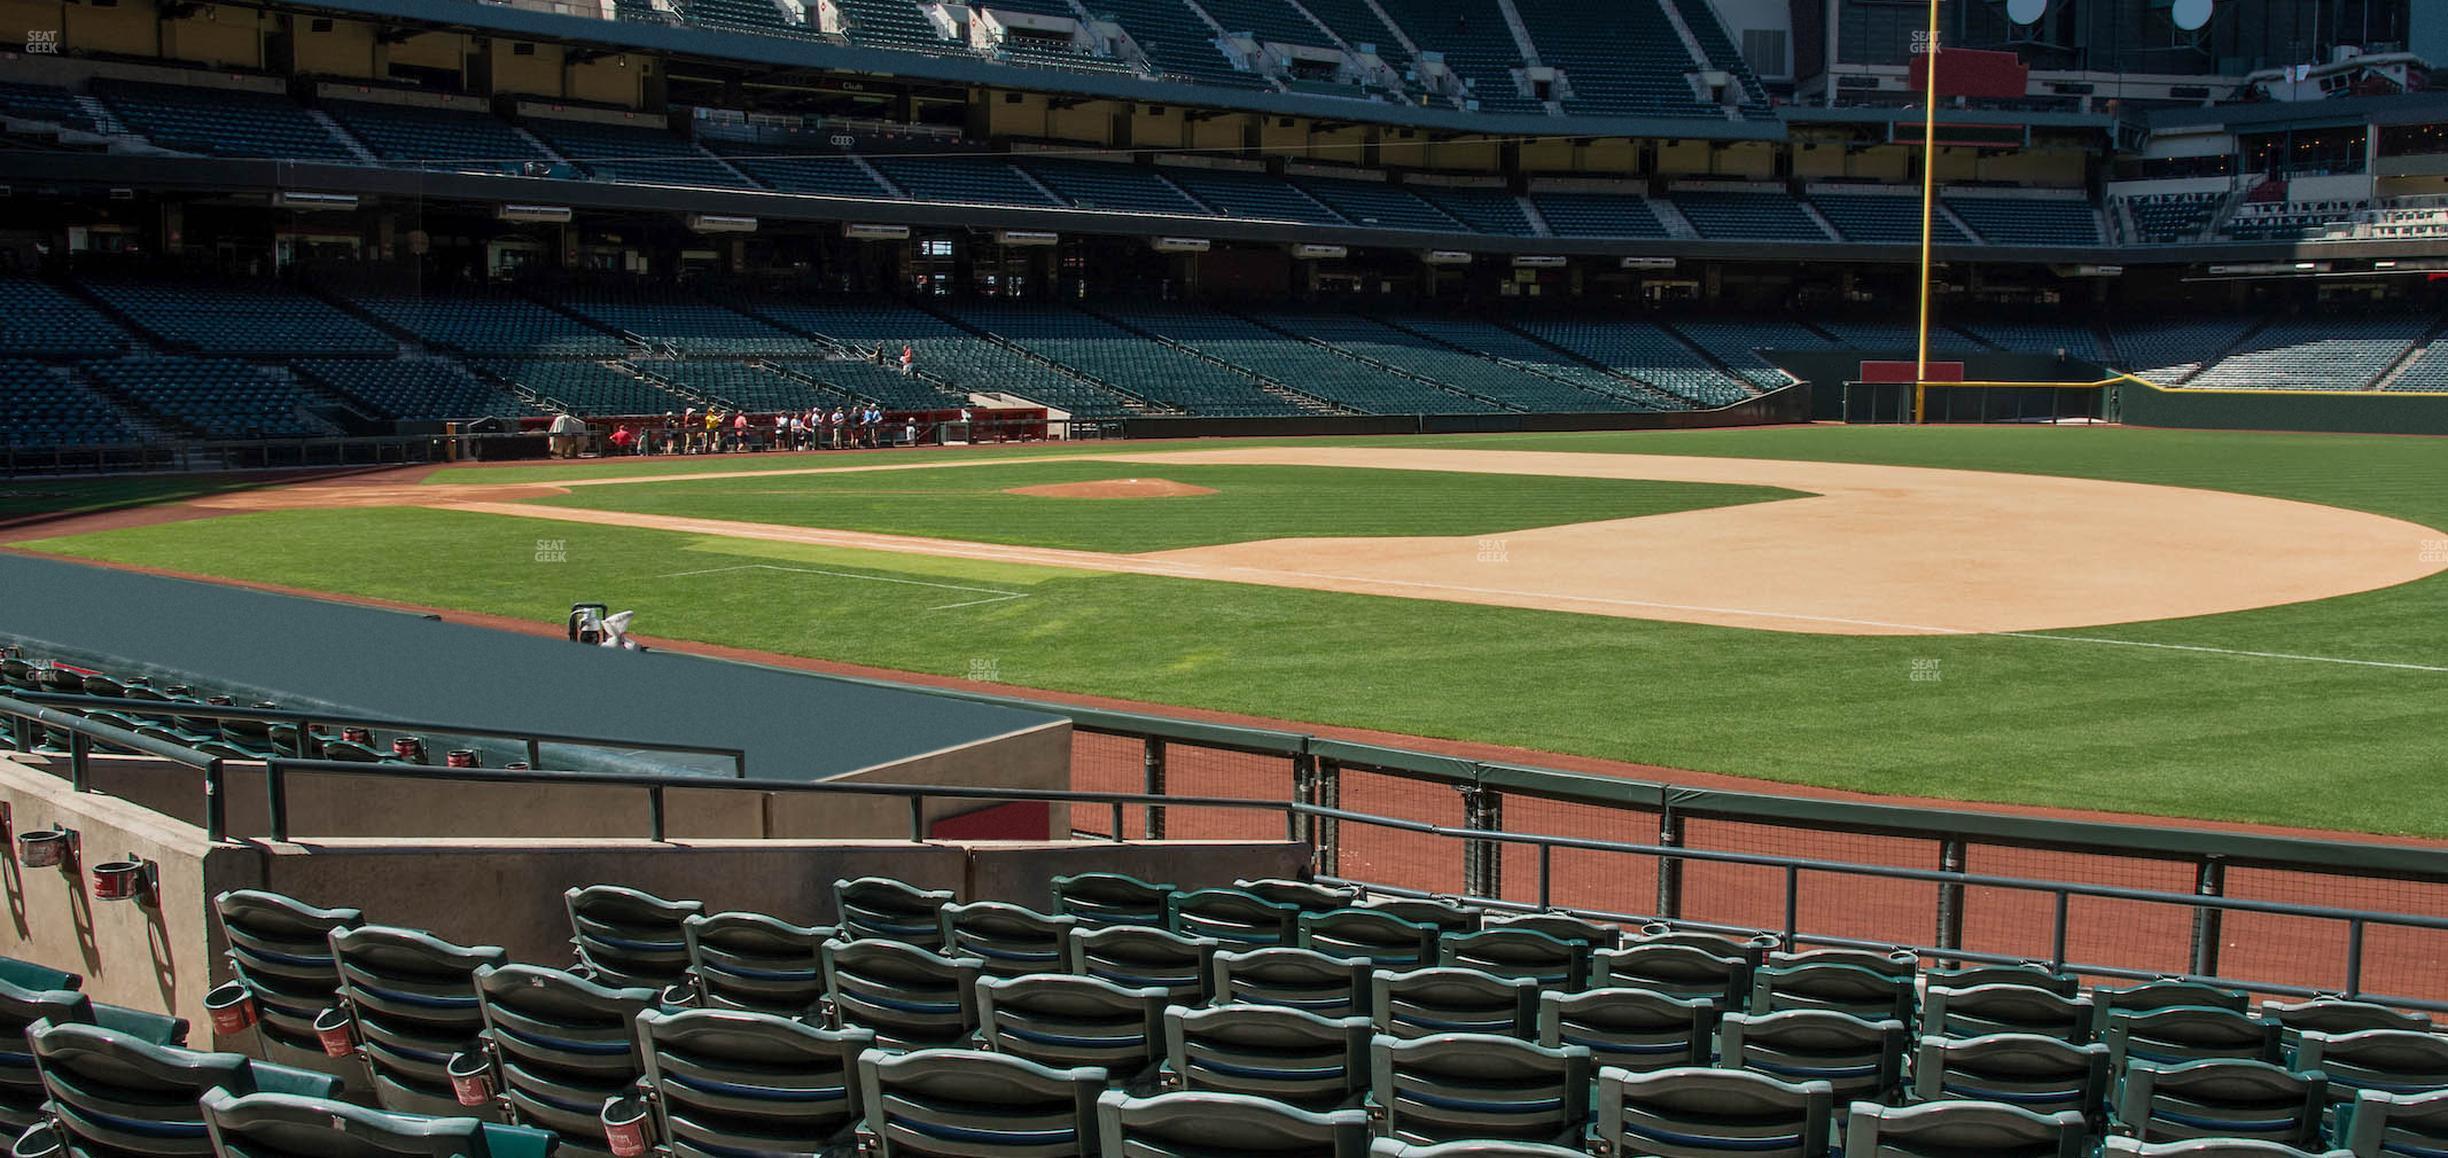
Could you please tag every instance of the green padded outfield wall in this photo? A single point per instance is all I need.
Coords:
(2381, 413)
(1828, 371)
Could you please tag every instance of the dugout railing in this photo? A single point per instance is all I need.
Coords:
(2264, 913)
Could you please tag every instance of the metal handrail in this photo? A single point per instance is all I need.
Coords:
(1304, 822)
(278, 768)
(533, 739)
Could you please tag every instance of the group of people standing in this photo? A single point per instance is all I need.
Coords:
(718, 431)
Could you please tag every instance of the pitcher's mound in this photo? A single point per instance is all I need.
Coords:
(1114, 488)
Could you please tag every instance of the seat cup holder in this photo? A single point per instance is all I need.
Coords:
(48, 848)
(232, 1007)
(471, 1078)
(624, 1126)
(41, 1140)
(334, 1028)
(124, 880)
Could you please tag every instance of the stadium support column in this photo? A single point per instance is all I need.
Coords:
(1482, 860)
(2209, 925)
(1929, 205)
(1153, 762)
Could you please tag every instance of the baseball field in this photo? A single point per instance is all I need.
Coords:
(2245, 627)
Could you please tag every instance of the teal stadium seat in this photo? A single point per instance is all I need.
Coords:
(628, 939)
(413, 999)
(1304, 979)
(280, 949)
(558, 1046)
(270, 1125)
(728, 1082)
(1950, 1129)
(110, 1095)
(1450, 1087)
(1064, 1021)
(1223, 1126)
(967, 1104)
(1268, 1051)
(754, 962)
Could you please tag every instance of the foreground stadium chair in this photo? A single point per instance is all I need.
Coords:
(1446, 916)
(880, 908)
(1099, 899)
(627, 939)
(755, 962)
(2212, 1148)
(413, 998)
(2183, 1033)
(1983, 1010)
(972, 1104)
(110, 1094)
(2381, 1123)
(911, 998)
(1893, 963)
(2220, 1098)
(2161, 994)
(2334, 1015)
(1704, 1113)
(1510, 951)
(1433, 1001)
(1236, 918)
(1562, 927)
(1137, 957)
(558, 1046)
(2029, 975)
(1300, 978)
(1753, 948)
(1012, 941)
(1632, 1029)
(1839, 987)
(280, 950)
(1223, 1126)
(1687, 971)
(1066, 1021)
(1951, 1129)
(1299, 1059)
(1473, 1148)
(290, 1126)
(1862, 1060)
(727, 1082)
(1383, 939)
(2393, 1061)
(29, 994)
(2040, 1074)
(1306, 896)
(1449, 1087)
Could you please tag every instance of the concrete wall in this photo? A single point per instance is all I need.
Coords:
(339, 804)
(157, 957)
(488, 890)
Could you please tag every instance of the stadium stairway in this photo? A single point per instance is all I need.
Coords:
(2418, 359)
(1126, 400)
(1291, 395)
(1375, 363)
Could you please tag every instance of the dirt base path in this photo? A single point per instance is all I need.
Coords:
(1875, 550)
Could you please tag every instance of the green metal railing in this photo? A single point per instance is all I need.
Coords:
(1318, 771)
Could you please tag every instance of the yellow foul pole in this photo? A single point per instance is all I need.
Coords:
(1929, 206)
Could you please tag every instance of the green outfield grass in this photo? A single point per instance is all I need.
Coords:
(1251, 502)
(2053, 719)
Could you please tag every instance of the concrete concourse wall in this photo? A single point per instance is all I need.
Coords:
(490, 889)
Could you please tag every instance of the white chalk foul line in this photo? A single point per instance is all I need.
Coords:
(993, 595)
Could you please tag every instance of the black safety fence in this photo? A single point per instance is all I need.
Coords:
(2273, 914)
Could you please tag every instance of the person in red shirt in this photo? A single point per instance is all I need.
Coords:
(909, 359)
